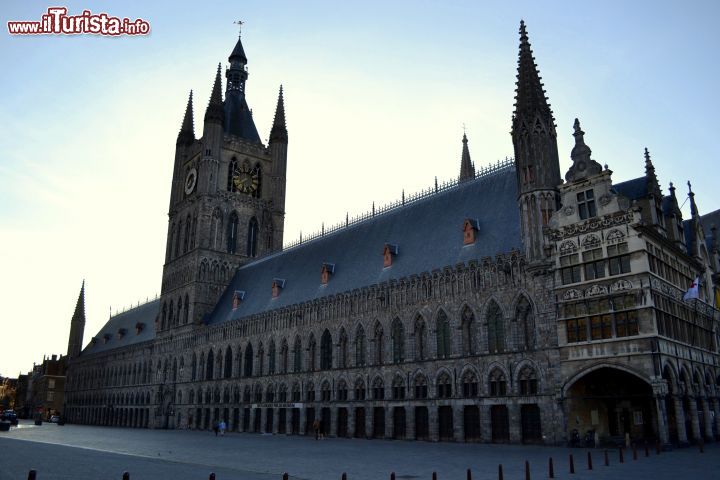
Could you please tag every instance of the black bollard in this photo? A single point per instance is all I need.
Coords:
(285, 476)
(622, 456)
(551, 469)
(527, 470)
(607, 460)
(344, 476)
(32, 474)
(392, 475)
(500, 472)
(589, 460)
(126, 476)
(434, 476)
(647, 450)
(469, 474)
(212, 476)
(572, 464)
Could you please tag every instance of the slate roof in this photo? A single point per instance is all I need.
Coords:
(428, 232)
(145, 313)
(633, 189)
(707, 221)
(238, 119)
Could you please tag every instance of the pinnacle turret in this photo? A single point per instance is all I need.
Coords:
(278, 133)
(187, 130)
(214, 112)
(467, 169)
(530, 100)
(693, 206)
(238, 53)
(77, 325)
(583, 166)
(652, 182)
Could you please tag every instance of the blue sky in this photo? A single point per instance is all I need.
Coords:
(376, 95)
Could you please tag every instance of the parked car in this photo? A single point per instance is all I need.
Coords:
(55, 419)
(10, 416)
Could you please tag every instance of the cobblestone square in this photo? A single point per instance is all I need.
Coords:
(86, 452)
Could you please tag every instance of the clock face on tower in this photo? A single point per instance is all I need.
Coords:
(190, 181)
(245, 180)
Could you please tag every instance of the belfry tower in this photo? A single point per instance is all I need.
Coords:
(227, 201)
(536, 153)
(77, 326)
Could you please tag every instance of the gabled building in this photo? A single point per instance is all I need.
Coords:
(506, 306)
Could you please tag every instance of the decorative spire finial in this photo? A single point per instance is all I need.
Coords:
(239, 23)
(693, 206)
(653, 185)
(278, 132)
(583, 166)
(467, 170)
(187, 130)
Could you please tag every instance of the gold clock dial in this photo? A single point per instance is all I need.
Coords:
(245, 181)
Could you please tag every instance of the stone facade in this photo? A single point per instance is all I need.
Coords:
(584, 329)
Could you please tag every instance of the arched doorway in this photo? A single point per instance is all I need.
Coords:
(612, 402)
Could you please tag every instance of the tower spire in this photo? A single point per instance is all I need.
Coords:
(77, 325)
(278, 133)
(652, 181)
(467, 170)
(214, 112)
(187, 130)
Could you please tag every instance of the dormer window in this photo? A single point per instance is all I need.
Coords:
(325, 272)
(94, 340)
(106, 337)
(586, 204)
(238, 297)
(389, 251)
(139, 327)
(121, 332)
(470, 229)
(277, 285)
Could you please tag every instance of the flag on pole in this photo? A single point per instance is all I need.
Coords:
(693, 291)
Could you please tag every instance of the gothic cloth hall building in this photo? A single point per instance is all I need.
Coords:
(511, 305)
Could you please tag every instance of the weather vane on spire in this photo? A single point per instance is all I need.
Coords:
(239, 23)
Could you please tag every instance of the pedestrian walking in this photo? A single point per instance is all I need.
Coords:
(316, 427)
(223, 426)
(216, 427)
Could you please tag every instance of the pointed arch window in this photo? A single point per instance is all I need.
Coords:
(194, 367)
(228, 363)
(326, 351)
(284, 357)
(248, 361)
(186, 240)
(398, 341)
(261, 360)
(216, 229)
(496, 329)
(379, 344)
(528, 381)
(163, 323)
(359, 389)
(187, 309)
(231, 172)
(498, 383)
(177, 320)
(271, 357)
(210, 365)
(525, 324)
(444, 347)
(232, 233)
(378, 389)
(312, 351)
(444, 386)
(343, 350)
(360, 347)
(178, 235)
(470, 385)
(468, 331)
(421, 386)
(398, 388)
(171, 316)
(252, 237)
(297, 354)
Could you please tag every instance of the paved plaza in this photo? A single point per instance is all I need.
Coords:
(86, 452)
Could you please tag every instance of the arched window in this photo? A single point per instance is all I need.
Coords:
(359, 389)
(228, 363)
(176, 321)
(178, 235)
(360, 347)
(231, 171)
(420, 339)
(296, 392)
(163, 323)
(342, 390)
(186, 240)
(398, 388)
(171, 316)
(326, 351)
(252, 238)
(496, 329)
(525, 325)
(325, 392)
(216, 229)
(186, 309)
(284, 357)
(249, 361)
(270, 393)
(378, 389)
(191, 396)
(232, 233)
(468, 331)
(312, 352)
(297, 354)
(398, 341)
(257, 173)
(421, 386)
(379, 344)
(469, 385)
(261, 360)
(444, 386)
(282, 393)
(271, 357)
(210, 366)
(444, 347)
(528, 381)
(310, 392)
(343, 350)
(498, 384)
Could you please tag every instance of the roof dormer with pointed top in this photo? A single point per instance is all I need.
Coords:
(467, 169)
